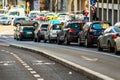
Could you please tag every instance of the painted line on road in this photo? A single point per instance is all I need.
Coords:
(34, 73)
(90, 73)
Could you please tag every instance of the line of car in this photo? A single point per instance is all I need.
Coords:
(83, 33)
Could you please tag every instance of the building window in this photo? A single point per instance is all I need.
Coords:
(109, 1)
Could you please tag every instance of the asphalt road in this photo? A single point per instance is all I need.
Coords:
(18, 64)
(104, 63)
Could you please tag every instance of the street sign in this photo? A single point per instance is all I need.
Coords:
(93, 2)
(36, 5)
(92, 8)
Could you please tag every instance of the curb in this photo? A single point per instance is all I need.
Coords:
(83, 70)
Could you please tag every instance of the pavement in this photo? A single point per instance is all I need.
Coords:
(85, 71)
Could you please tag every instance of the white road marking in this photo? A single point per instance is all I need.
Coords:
(89, 59)
(36, 75)
(29, 69)
(40, 79)
(27, 66)
(33, 72)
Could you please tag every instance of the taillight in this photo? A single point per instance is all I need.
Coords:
(114, 36)
(72, 31)
(91, 37)
(21, 32)
(91, 30)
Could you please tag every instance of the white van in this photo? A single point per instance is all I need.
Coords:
(16, 12)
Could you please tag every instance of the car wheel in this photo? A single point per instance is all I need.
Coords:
(79, 41)
(38, 39)
(115, 50)
(99, 46)
(109, 47)
(87, 43)
(35, 24)
(18, 24)
(35, 40)
(66, 41)
(58, 41)
(20, 39)
(49, 39)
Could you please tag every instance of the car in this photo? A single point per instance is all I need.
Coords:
(24, 32)
(40, 31)
(91, 31)
(109, 39)
(52, 30)
(24, 21)
(5, 20)
(50, 16)
(69, 32)
(64, 18)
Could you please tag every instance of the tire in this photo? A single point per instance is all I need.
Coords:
(35, 24)
(58, 41)
(18, 24)
(66, 41)
(115, 50)
(35, 40)
(79, 42)
(87, 43)
(110, 49)
(38, 39)
(99, 46)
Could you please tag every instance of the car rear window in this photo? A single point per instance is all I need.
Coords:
(44, 26)
(117, 29)
(76, 26)
(97, 26)
(28, 28)
(56, 27)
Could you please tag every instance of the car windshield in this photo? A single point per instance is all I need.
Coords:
(14, 13)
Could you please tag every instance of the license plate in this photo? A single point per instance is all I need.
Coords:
(29, 32)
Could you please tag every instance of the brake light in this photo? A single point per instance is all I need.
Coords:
(72, 31)
(21, 32)
(91, 37)
(91, 30)
(114, 36)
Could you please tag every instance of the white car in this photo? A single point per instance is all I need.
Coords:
(5, 20)
(64, 18)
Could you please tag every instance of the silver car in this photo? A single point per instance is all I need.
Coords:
(110, 39)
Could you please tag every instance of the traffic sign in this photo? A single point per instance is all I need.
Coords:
(93, 2)
(92, 8)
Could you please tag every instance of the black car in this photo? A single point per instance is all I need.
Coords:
(109, 39)
(40, 31)
(69, 33)
(91, 32)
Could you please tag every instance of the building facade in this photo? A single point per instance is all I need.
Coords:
(108, 10)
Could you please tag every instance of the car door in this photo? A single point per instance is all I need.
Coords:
(106, 35)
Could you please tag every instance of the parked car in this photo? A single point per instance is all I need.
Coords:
(91, 31)
(69, 33)
(24, 32)
(51, 34)
(24, 21)
(110, 39)
(40, 32)
(5, 20)
(50, 16)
